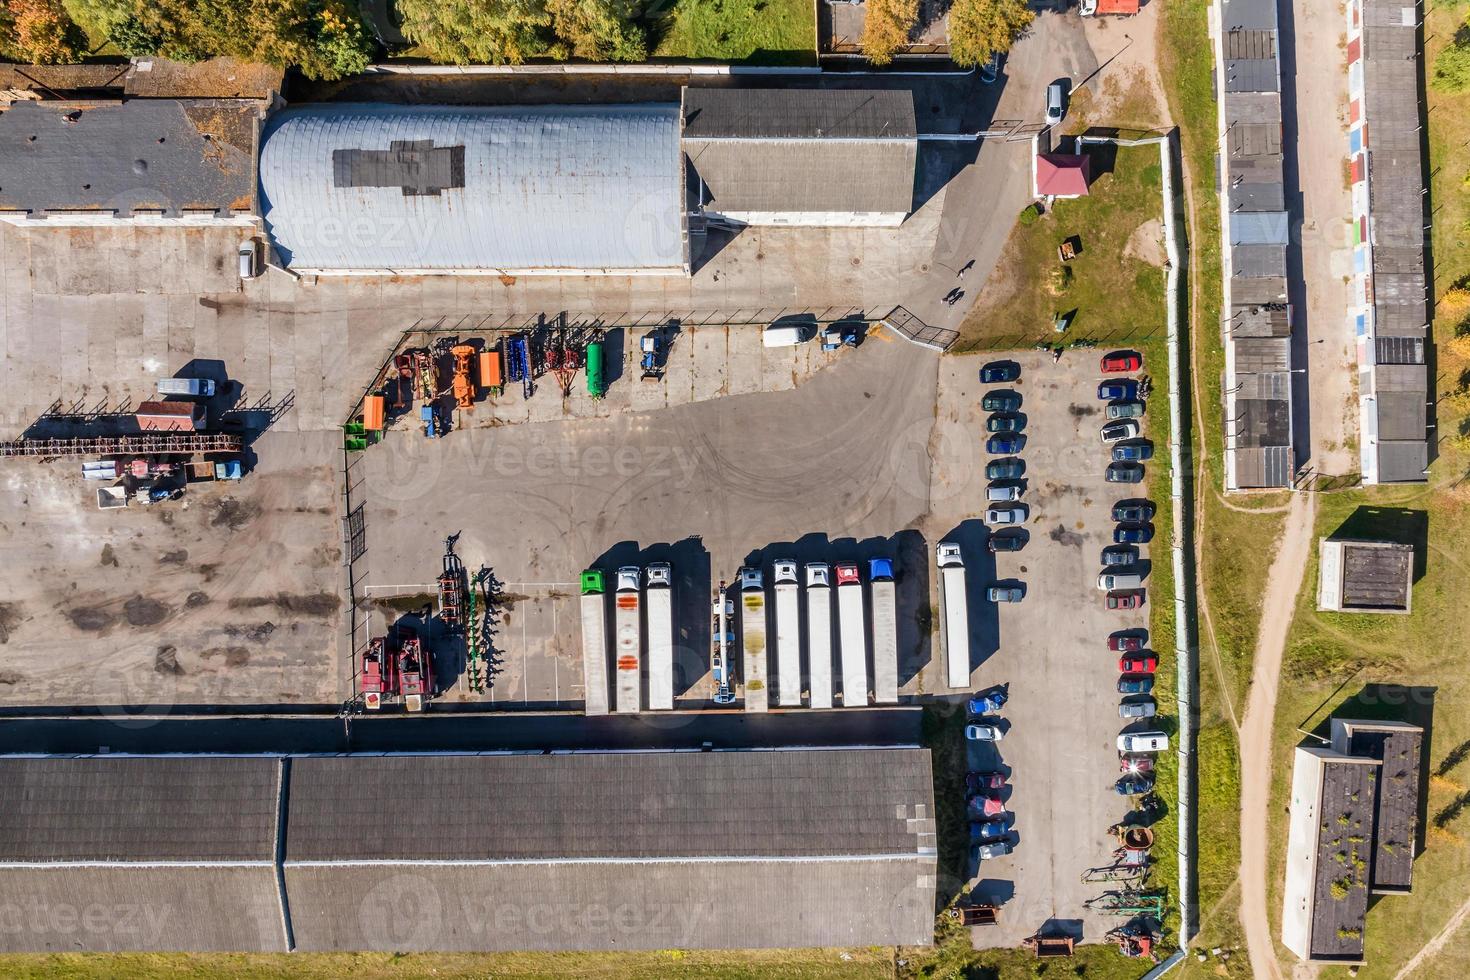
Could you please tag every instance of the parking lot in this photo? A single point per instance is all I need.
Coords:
(1049, 649)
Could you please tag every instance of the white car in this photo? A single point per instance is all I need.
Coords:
(994, 849)
(784, 570)
(984, 733)
(1054, 104)
(249, 259)
(818, 575)
(1133, 743)
(1120, 430)
(1113, 581)
(1005, 515)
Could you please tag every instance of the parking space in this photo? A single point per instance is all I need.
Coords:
(1050, 649)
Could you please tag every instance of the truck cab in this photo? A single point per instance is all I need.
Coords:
(947, 554)
(818, 575)
(785, 571)
(880, 569)
(750, 580)
(592, 582)
(628, 578)
(659, 575)
(847, 574)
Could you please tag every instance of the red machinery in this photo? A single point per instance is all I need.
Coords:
(378, 674)
(415, 671)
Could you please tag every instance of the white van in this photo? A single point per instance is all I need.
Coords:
(788, 334)
(1143, 742)
(1112, 581)
(186, 387)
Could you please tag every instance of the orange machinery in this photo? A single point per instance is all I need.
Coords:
(464, 388)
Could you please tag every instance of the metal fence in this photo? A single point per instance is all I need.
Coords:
(911, 328)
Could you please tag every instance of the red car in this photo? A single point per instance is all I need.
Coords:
(1124, 643)
(1131, 599)
(1121, 362)
(1135, 764)
(980, 782)
(1138, 665)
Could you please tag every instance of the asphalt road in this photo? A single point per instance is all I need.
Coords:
(441, 731)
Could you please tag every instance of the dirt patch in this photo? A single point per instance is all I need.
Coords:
(91, 619)
(232, 656)
(166, 661)
(256, 634)
(206, 572)
(1147, 243)
(195, 600)
(109, 557)
(143, 611)
(317, 604)
(8, 679)
(1063, 536)
(1081, 411)
(231, 513)
(174, 557)
(406, 603)
(10, 617)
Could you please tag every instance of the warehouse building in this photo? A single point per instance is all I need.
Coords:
(579, 851)
(366, 188)
(814, 157)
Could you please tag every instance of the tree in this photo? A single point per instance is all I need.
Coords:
(600, 30)
(886, 28)
(464, 31)
(41, 31)
(1452, 66)
(981, 28)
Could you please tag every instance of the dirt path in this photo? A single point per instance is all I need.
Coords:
(1434, 945)
(1283, 583)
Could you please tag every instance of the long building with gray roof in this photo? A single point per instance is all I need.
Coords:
(469, 852)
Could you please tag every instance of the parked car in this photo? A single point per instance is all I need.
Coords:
(1131, 599)
(1004, 445)
(1135, 684)
(1119, 554)
(1006, 541)
(1119, 362)
(1005, 469)
(984, 733)
(1000, 372)
(1001, 401)
(1135, 785)
(1002, 491)
(1124, 473)
(1144, 664)
(1118, 431)
(1133, 511)
(985, 806)
(1133, 533)
(1143, 742)
(1121, 390)
(1004, 423)
(1005, 515)
(1108, 581)
(995, 849)
(1123, 410)
(1133, 452)
(986, 704)
(1005, 593)
(1133, 710)
(249, 259)
(978, 782)
(1055, 104)
(1135, 764)
(982, 830)
(186, 387)
(1125, 643)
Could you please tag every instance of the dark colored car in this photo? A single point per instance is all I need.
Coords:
(988, 829)
(1000, 372)
(1135, 511)
(1130, 599)
(1119, 554)
(1002, 541)
(1004, 423)
(1001, 401)
(1138, 665)
(1008, 444)
(1133, 533)
(1135, 684)
(1122, 390)
(1005, 469)
(1121, 361)
(1124, 473)
(980, 782)
(1135, 785)
(1125, 643)
(1133, 452)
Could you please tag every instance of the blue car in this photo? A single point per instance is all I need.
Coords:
(1135, 684)
(1118, 391)
(988, 830)
(1133, 452)
(1004, 445)
(986, 704)
(1000, 372)
(1133, 534)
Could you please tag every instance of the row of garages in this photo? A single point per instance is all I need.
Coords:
(626, 189)
(453, 852)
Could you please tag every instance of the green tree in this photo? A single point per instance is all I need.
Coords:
(981, 28)
(42, 32)
(1452, 66)
(886, 28)
(600, 30)
(464, 31)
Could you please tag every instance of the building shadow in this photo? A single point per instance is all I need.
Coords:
(1398, 525)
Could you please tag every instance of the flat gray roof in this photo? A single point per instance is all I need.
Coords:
(1376, 574)
(1346, 812)
(518, 188)
(148, 155)
(805, 176)
(1395, 829)
(764, 113)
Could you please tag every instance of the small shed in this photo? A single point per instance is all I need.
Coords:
(1062, 175)
(1365, 576)
(170, 416)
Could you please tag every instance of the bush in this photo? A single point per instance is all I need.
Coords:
(1030, 214)
(886, 28)
(1452, 66)
(1340, 889)
(513, 31)
(41, 31)
(981, 28)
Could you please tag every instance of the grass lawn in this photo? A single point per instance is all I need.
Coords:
(1116, 284)
(761, 32)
